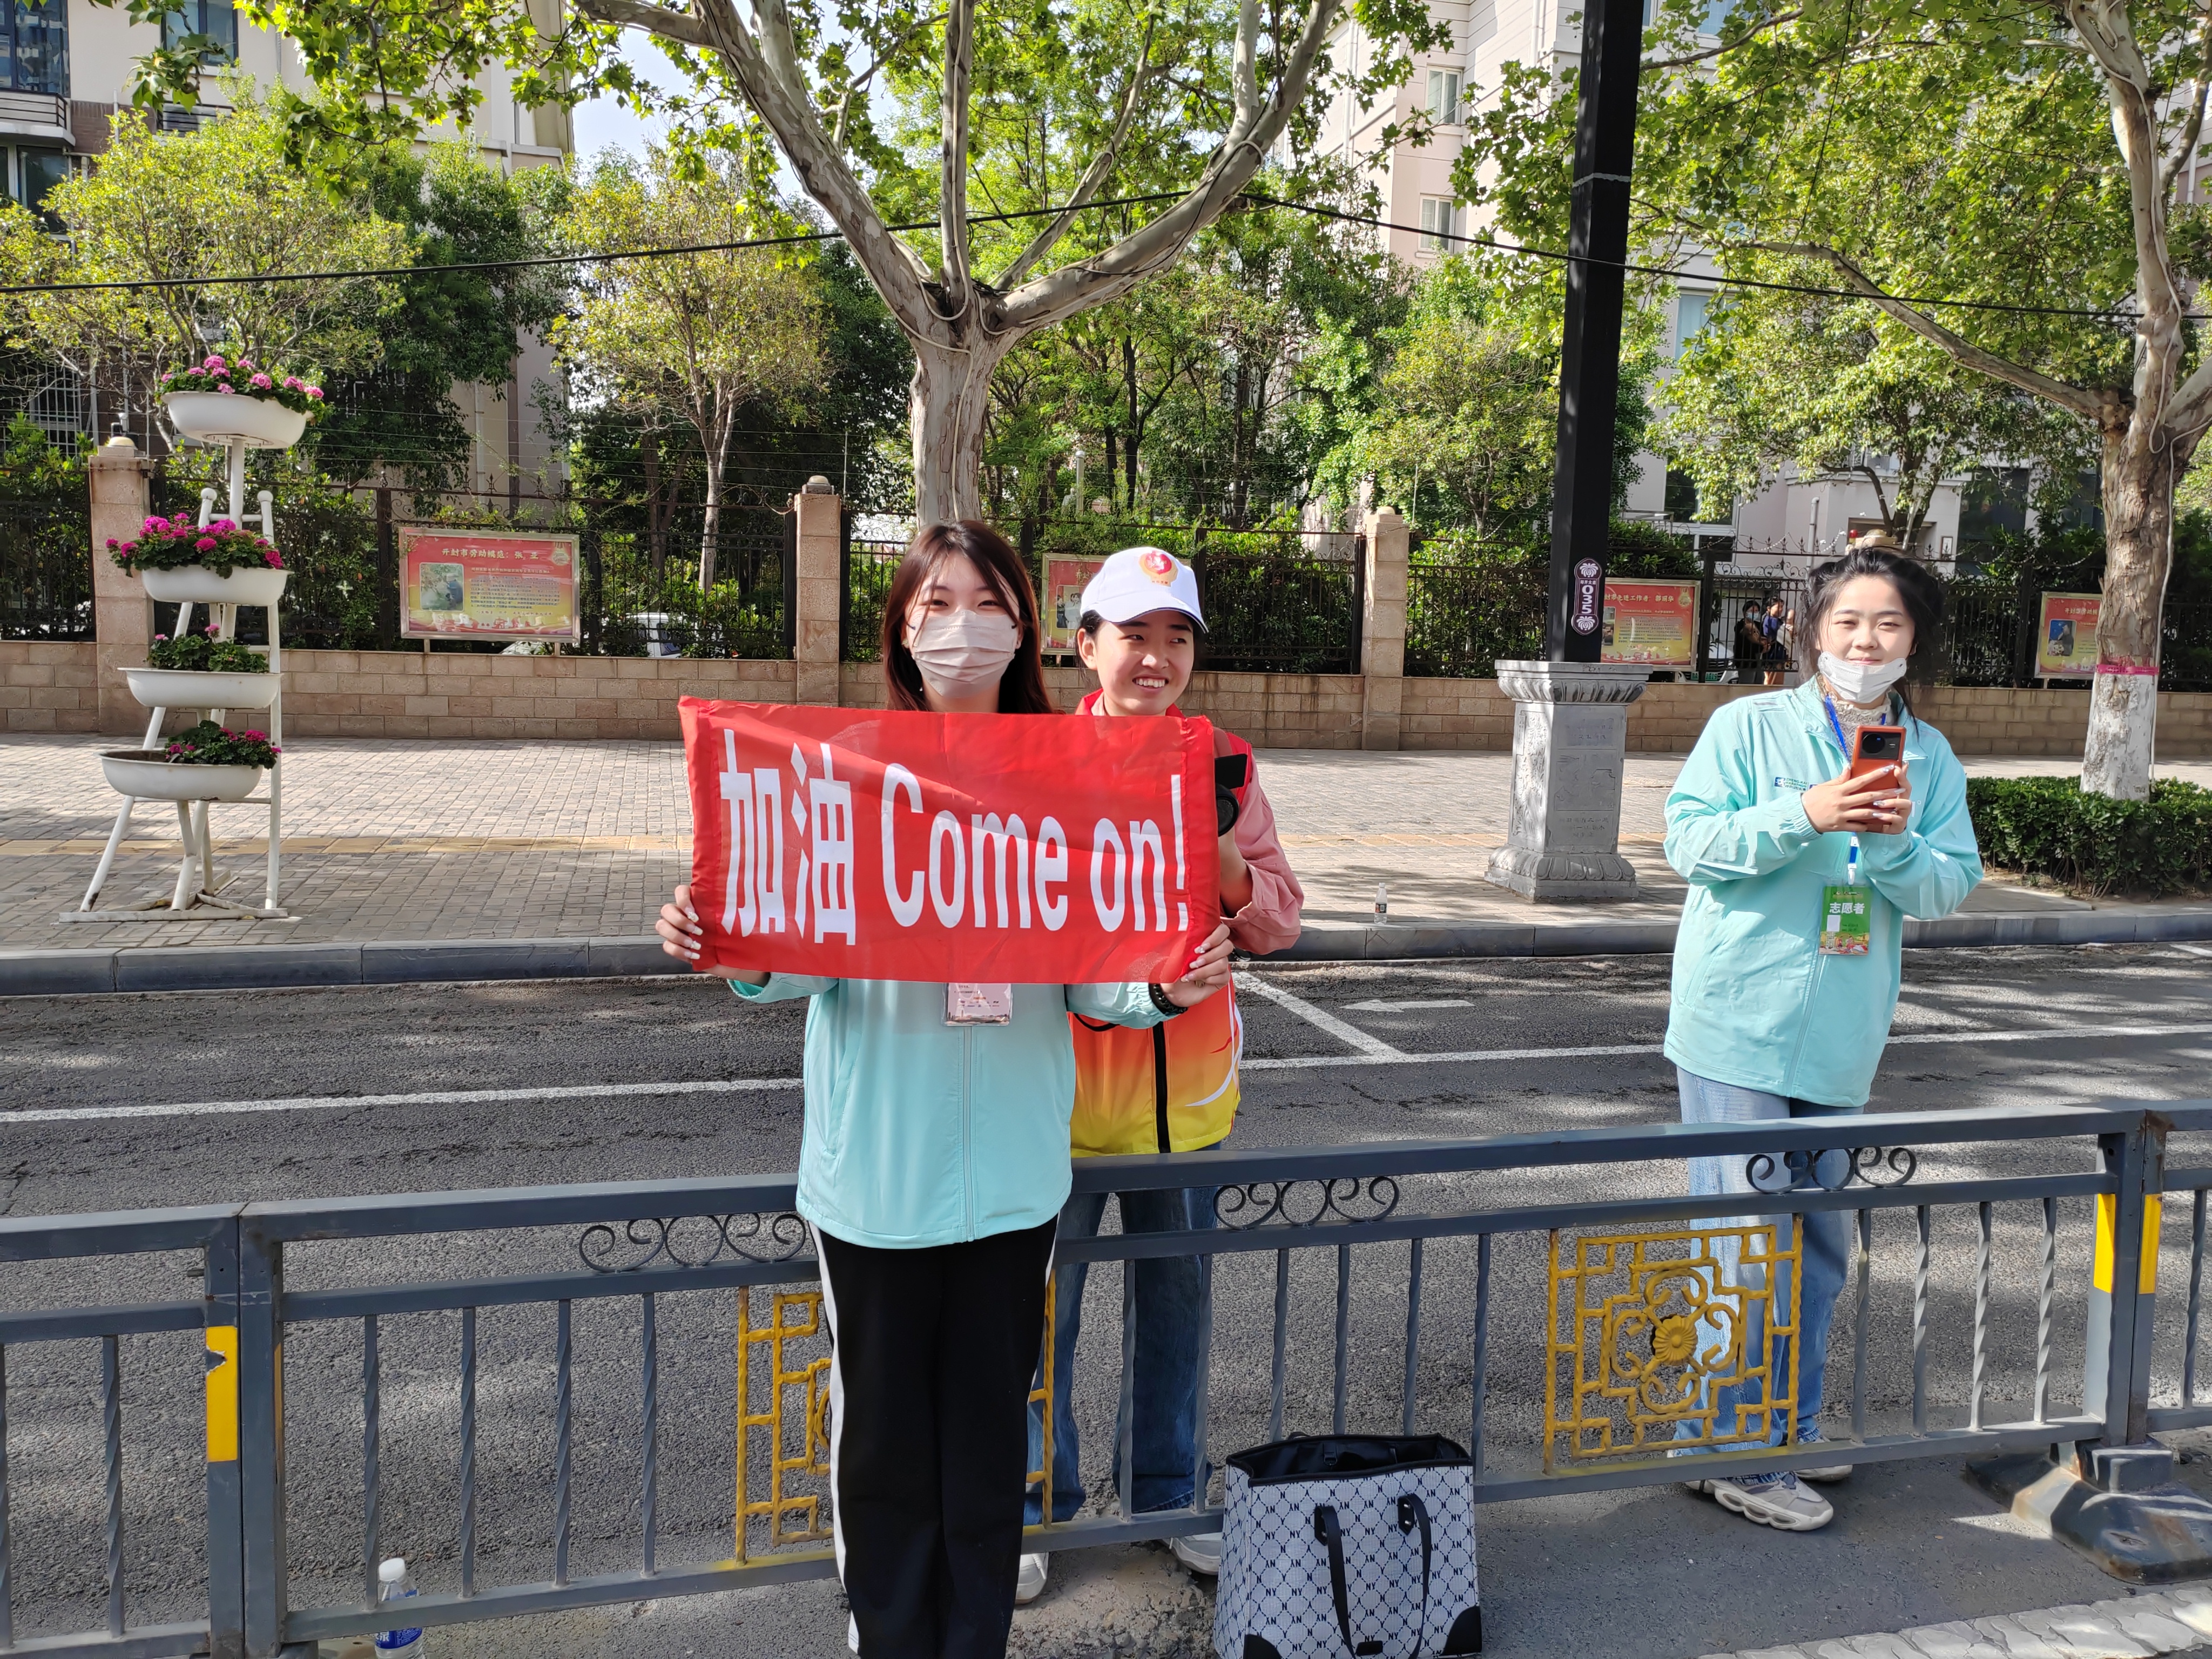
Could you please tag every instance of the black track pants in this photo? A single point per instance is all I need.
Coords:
(929, 1421)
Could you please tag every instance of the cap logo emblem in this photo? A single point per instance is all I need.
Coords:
(1159, 566)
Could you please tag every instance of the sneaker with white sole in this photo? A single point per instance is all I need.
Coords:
(1028, 1579)
(1200, 1551)
(1828, 1472)
(1776, 1499)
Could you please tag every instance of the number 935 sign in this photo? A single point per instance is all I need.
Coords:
(1026, 848)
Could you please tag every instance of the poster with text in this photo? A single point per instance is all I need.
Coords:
(488, 584)
(1022, 848)
(2066, 636)
(1064, 582)
(1653, 622)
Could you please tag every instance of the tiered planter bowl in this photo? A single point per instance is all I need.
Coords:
(200, 585)
(218, 417)
(186, 688)
(149, 775)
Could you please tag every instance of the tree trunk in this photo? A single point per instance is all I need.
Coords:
(656, 524)
(947, 402)
(2138, 494)
(715, 445)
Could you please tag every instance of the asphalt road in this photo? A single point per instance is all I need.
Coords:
(112, 1103)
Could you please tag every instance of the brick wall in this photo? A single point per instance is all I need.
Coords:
(404, 693)
(47, 687)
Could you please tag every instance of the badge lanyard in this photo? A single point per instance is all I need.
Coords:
(1845, 925)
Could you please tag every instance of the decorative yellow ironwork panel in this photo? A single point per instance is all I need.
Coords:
(1647, 1328)
(798, 1440)
(1043, 1396)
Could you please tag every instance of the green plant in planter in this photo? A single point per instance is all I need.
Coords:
(173, 543)
(201, 651)
(2049, 827)
(238, 376)
(210, 745)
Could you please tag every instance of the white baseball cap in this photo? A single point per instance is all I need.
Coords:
(1139, 581)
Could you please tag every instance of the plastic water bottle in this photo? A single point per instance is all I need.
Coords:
(392, 1585)
(1382, 901)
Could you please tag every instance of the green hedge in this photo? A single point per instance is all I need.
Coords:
(2048, 827)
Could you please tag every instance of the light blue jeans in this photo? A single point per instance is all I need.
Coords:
(1827, 1245)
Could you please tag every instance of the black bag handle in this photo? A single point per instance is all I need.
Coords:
(1412, 1513)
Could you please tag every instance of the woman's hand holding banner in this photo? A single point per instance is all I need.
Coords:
(1026, 848)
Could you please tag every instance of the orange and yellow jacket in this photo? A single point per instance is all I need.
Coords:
(1173, 1088)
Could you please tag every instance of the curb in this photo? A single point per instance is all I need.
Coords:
(414, 962)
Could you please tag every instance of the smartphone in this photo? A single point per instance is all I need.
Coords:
(1875, 747)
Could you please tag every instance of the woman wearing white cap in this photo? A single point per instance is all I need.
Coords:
(932, 1168)
(1168, 1089)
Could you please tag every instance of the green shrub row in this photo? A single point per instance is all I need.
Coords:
(2049, 827)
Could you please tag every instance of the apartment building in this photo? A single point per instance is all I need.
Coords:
(66, 68)
(1451, 84)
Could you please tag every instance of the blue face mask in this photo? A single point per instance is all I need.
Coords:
(1860, 682)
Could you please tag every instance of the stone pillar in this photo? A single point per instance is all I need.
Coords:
(123, 616)
(815, 643)
(1570, 738)
(1382, 632)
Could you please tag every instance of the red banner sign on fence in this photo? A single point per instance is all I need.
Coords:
(1030, 848)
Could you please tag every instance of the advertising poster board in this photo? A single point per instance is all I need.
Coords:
(488, 584)
(2066, 636)
(1064, 578)
(1653, 622)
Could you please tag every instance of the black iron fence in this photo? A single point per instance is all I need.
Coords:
(46, 568)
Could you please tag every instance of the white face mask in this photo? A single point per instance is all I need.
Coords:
(1860, 682)
(961, 653)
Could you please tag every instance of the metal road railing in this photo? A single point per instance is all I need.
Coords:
(1550, 1296)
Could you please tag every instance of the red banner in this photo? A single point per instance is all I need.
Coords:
(1024, 849)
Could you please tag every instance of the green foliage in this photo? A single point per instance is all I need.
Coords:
(201, 651)
(33, 468)
(174, 543)
(210, 744)
(2049, 827)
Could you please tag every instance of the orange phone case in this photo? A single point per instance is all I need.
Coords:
(1862, 763)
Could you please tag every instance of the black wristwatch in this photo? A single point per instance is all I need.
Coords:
(1160, 1001)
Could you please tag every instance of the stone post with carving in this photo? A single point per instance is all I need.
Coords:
(1570, 739)
(1382, 632)
(122, 617)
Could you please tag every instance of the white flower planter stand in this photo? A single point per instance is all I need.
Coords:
(198, 892)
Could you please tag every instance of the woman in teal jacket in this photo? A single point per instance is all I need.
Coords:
(1768, 1018)
(933, 1167)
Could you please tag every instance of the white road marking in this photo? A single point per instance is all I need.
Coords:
(1380, 1007)
(438, 1097)
(2195, 950)
(1387, 1056)
(1372, 1047)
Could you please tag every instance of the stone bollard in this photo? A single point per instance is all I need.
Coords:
(815, 635)
(1382, 632)
(123, 617)
(1569, 740)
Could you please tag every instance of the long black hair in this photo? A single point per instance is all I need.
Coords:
(1917, 590)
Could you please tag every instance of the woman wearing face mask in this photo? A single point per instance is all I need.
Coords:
(1775, 1013)
(932, 1165)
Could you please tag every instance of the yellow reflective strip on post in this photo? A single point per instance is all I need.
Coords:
(2100, 1272)
(223, 1394)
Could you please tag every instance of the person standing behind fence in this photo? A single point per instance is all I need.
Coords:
(932, 1167)
(1172, 1088)
(1773, 1014)
(1774, 642)
(1750, 643)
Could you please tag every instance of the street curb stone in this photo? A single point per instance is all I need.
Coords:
(407, 962)
(2178, 1620)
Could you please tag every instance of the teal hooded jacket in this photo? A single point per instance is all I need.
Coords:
(1754, 1001)
(921, 1134)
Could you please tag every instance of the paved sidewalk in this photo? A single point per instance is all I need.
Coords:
(397, 841)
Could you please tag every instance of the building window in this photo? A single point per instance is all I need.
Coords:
(1439, 224)
(1690, 308)
(34, 46)
(1681, 497)
(213, 20)
(1443, 97)
(37, 171)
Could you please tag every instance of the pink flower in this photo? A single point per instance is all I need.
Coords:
(276, 559)
(129, 548)
(205, 545)
(291, 383)
(112, 542)
(225, 390)
(246, 364)
(212, 364)
(262, 383)
(315, 391)
(161, 638)
(251, 734)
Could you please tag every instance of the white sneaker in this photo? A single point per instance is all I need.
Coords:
(1775, 1500)
(1200, 1551)
(1028, 1579)
(1829, 1472)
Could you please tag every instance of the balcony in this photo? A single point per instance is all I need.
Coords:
(34, 115)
